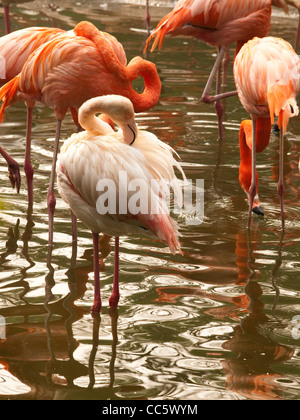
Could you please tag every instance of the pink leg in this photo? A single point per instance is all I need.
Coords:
(206, 98)
(27, 164)
(7, 20)
(13, 169)
(147, 17)
(74, 227)
(253, 187)
(218, 104)
(115, 296)
(51, 201)
(97, 295)
(280, 187)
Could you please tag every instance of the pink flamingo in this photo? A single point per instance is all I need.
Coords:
(267, 77)
(218, 23)
(15, 48)
(55, 75)
(100, 153)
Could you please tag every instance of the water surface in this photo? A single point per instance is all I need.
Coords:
(215, 323)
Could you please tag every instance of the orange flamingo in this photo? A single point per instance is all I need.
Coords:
(55, 75)
(100, 153)
(13, 169)
(218, 23)
(15, 48)
(267, 77)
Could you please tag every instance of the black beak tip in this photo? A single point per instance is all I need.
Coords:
(275, 129)
(258, 210)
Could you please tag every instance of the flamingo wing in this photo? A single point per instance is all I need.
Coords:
(86, 166)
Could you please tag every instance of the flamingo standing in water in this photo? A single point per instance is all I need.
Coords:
(13, 169)
(267, 77)
(72, 68)
(218, 23)
(15, 48)
(98, 154)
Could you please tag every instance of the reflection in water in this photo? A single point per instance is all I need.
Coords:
(212, 324)
(251, 373)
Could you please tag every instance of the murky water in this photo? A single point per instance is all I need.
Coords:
(215, 323)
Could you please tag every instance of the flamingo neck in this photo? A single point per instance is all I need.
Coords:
(263, 131)
(150, 96)
(125, 75)
(93, 124)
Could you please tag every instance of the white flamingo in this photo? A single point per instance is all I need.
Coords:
(119, 158)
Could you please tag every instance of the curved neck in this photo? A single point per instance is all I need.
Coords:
(137, 67)
(91, 123)
(150, 96)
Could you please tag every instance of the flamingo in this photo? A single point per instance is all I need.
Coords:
(218, 23)
(15, 48)
(267, 77)
(99, 153)
(55, 74)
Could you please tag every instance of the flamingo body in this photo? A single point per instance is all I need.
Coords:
(16, 47)
(101, 154)
(267, 77)
(217, 23)
(266, 73)
(52, 72)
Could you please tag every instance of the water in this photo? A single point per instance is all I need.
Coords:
(215, 323)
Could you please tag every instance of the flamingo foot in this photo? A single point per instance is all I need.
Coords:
(14, 175)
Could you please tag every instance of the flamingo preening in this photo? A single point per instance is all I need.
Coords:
(119, 159)
(55, 75)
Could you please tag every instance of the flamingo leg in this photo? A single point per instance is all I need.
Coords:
(280, 187)
(13, 169)
(225, 67)
(147, 17)
(206, 98)
(97, 295)
(27, 164)
(253, 187)
(51, 201)
(7, 19)
(218, 104)
(115, 296)
(74, 227)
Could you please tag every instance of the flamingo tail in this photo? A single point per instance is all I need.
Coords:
(7, 95)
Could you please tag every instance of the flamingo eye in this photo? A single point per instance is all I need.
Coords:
(292, 109)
